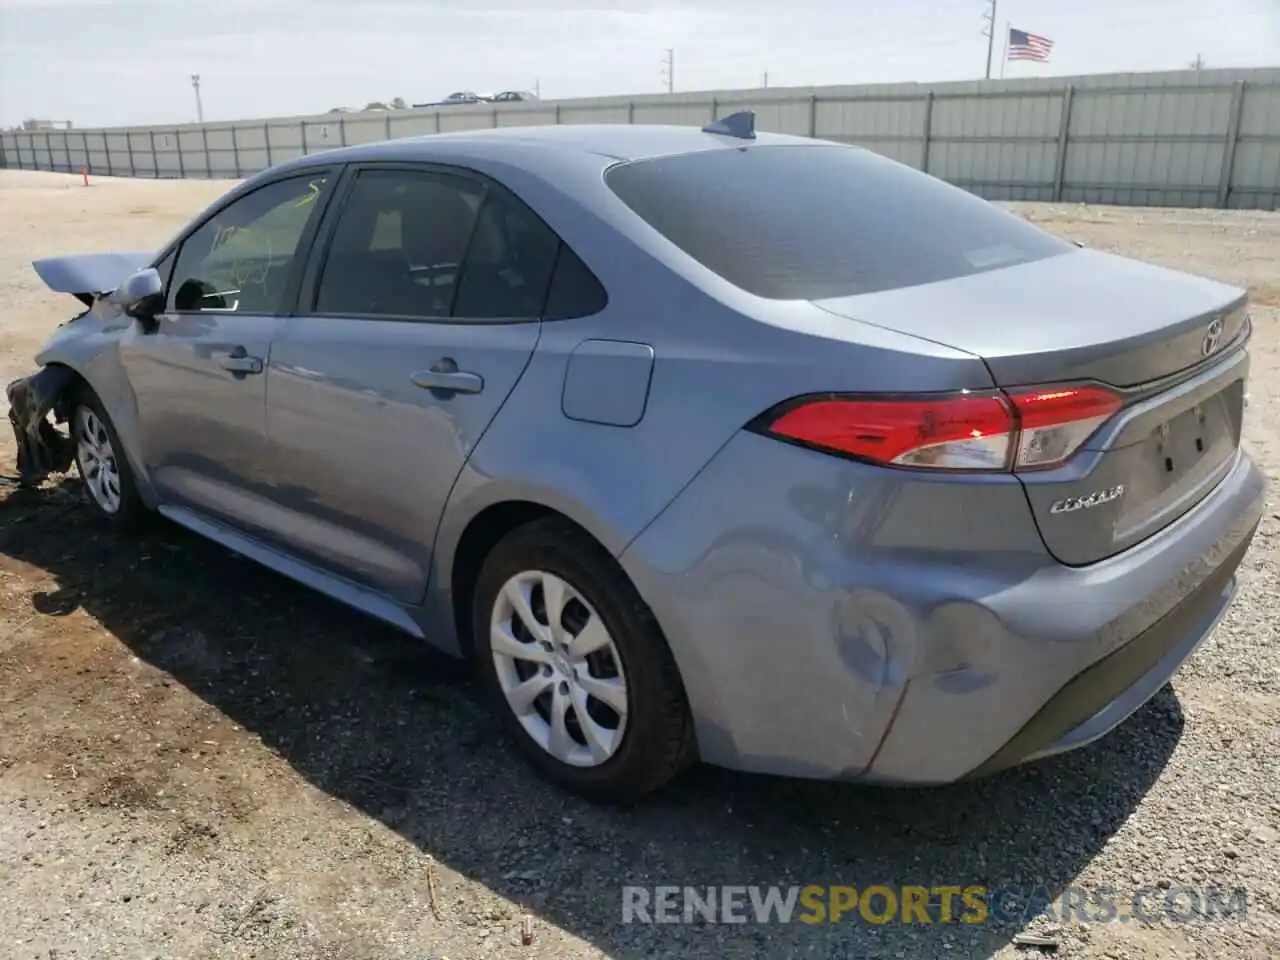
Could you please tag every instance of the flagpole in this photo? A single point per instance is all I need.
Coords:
(991, 37)
(1004, 57)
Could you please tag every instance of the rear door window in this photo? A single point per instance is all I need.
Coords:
(398, 245)
(417, 244)
(808, 222)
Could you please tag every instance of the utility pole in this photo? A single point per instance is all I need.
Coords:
(1197, 63)
(669, 70)
(989, 31)
(537, 88)
(195, 85)
(765, 84)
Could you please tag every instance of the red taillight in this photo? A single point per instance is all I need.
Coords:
(961, 432)
(964, 431)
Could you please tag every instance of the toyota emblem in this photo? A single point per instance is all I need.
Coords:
(1211, 338)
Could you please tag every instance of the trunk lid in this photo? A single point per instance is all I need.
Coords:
(1082, 315)
(1170, 343)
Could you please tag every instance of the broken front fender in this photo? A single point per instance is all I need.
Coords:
(90, 347)
(43, 449)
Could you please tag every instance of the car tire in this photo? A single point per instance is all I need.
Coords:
(108, 478)
(615, 757)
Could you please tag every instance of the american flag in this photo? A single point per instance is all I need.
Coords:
(1028, 46)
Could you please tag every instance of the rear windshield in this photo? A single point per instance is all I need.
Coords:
(809, 222)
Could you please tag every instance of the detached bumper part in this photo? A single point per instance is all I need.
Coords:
(42, 448)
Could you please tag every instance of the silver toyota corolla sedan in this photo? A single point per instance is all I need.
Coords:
(702, 444)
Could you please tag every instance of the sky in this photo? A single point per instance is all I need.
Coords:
(121, 62)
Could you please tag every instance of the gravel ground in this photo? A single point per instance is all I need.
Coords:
(200, 760)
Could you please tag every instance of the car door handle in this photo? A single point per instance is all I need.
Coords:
(238, 361)
(444, 376)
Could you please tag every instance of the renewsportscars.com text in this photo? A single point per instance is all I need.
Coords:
(942, 904)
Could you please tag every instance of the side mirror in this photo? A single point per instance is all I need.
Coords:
(141, 296)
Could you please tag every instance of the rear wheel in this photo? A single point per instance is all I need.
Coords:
(100, 459)
(577, 667)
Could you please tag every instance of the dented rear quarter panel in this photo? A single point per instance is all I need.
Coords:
(720, 357)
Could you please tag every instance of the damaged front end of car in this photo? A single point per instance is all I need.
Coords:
(36, 403)
(41, 403)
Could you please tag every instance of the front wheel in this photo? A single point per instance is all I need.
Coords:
(577, 667)
(103, 466)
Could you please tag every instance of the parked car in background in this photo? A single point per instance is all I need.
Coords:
(512, 96)
(460, 97)
(758, 449)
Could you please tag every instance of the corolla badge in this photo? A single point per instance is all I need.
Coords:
(1095, 499)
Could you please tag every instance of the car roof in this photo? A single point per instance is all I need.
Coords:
(608, 140)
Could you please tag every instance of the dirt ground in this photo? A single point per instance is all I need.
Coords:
(199, 759)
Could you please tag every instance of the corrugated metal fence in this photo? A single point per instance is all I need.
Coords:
(1207, 138)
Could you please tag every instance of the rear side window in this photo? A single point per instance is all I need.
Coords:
(575, 291)
(509, 263)
(810, 222)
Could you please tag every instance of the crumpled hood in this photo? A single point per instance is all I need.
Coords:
(89, 273)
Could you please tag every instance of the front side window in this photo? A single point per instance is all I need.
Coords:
(240, 260)
(165, 266)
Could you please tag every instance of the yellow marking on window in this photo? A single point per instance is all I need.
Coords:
(313, 189)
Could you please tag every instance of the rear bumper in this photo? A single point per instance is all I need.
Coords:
(830, 621)
(1104, 695)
